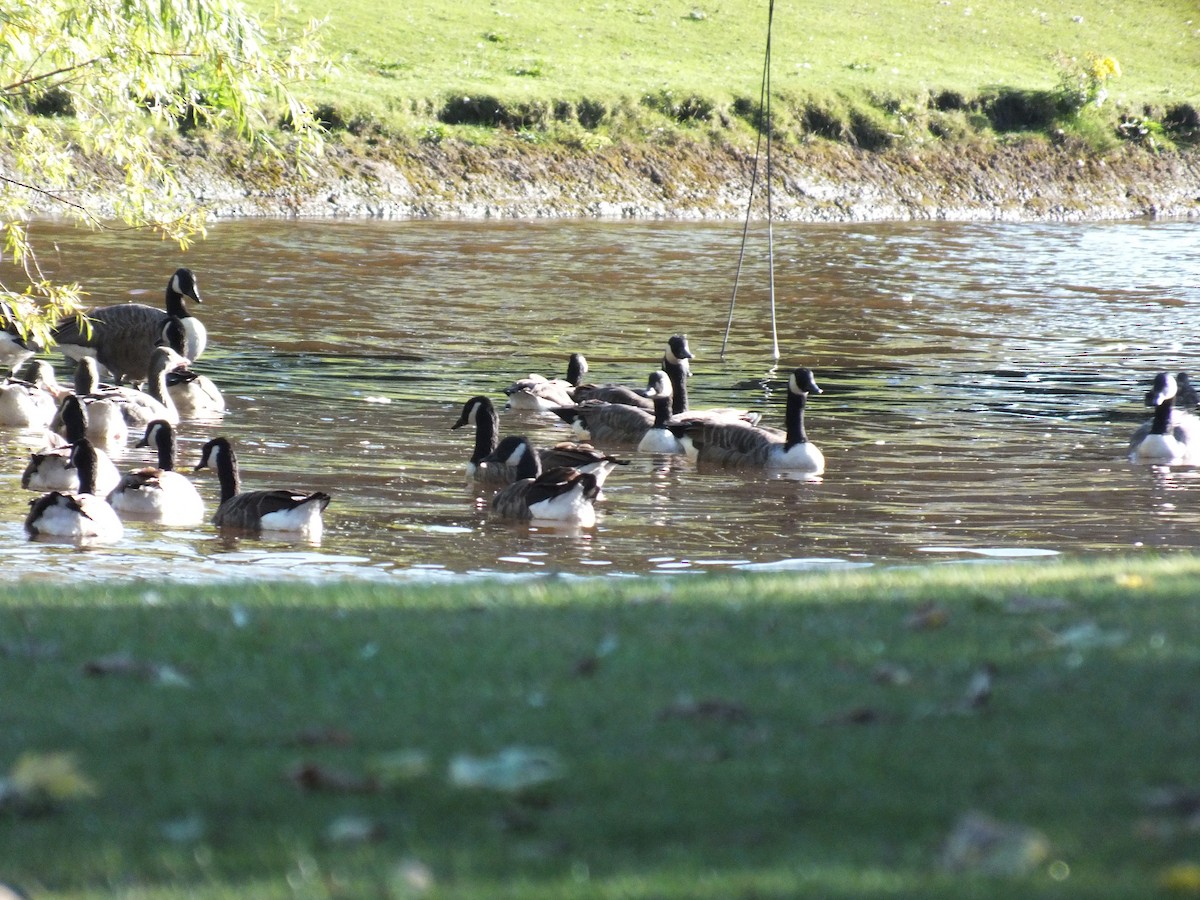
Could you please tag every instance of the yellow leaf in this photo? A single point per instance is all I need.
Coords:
(1183, 878)
(52, 775)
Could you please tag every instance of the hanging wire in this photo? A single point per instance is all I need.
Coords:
(764, 127)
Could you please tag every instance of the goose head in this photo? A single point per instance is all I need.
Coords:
(577, 367)
(677, 348)
(1164, 388)
(658, 385)
(517, 452)
(473, 409)
(802, 382)
(182, 285)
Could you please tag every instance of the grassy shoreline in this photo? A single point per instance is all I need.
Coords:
(916, 110)
(815, 735)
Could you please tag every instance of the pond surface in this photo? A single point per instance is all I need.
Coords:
(981, 384)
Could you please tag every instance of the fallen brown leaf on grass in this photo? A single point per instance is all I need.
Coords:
(311, 776)
(858, 715)
(126, 665)
(586, 667)
(709, 708)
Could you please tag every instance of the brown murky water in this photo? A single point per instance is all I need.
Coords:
(981, 382)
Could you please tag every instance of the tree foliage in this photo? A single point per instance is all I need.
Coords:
(92, 91)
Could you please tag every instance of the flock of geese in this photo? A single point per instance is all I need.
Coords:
(85, 497)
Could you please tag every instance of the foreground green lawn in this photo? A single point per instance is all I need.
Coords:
(402, 60)
(797, 735)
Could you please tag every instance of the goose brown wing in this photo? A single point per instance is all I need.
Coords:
(730, 444)
(570, 453)
(614, 422)
(612, 393)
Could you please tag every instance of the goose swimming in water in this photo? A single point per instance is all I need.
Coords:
(659, 438)
(262, 510)
(30, 403)
(735, 445)
(1171, 437)
(139, 408)
(158, 493)
(537, 392)
(488, 469)
(103, 423)
(561, 494)
(81, 516)
(122, 337)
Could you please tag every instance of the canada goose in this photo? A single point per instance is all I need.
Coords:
(158, 493)
(195, 396)
(481, 412)
(264, 510)
(659, 438)
(29, 403)
(734, 444)
(103, 423)
(81, 516)
(14, 349)
(675, 364)
(606, 423)
(561, 494)
(139, 408)
(122, 337)
(52, 469)
(1185, 393)
(1171, 437)
(540, 393)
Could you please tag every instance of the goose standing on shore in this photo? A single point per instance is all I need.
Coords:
(158, 493)
(561, 494)
(1171, 437)
(737, 445)
(122, 337)
(262, 510)
(81, 516)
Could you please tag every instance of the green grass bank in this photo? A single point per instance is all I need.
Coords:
(937, 732)
(896, 110)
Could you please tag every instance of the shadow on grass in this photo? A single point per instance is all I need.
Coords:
(782, 737)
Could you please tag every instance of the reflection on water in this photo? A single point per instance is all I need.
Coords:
(980, 386)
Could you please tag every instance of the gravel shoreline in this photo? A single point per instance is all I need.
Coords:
(821, 181)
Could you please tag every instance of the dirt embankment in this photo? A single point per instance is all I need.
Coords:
(822, 181)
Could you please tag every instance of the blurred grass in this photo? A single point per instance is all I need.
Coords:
(399, 63)
(783, 736)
